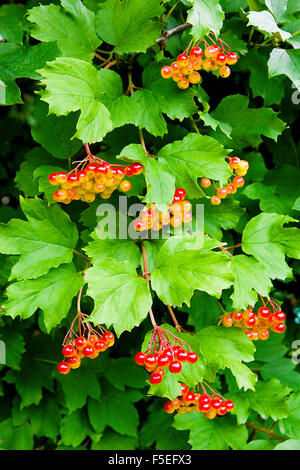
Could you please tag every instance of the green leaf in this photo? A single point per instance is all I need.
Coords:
(204, 310)
(234, 111)
(75, 427)
(111, 440)
(123, 373)
(18, 61)
(14, 346)
(60, 285)
(11, 26)
(212, 434)
(78, 386)
(225, 216)
(270, 399)
(33, 377)
(102, 413)
(118, 249)
(291, 444)
(73, 27)
(122, 299)
(227, 348)
(119, 24)
(290, 426)
(282, 62)
(193, 157)
(250, 279)
(54, 133)
(45, 241)
(45, 419)
(81, 78)
(15, 437)
(205, 16)
(284, 370)
(269, 242)
(265, 22)
(160, 182)
(178, 273)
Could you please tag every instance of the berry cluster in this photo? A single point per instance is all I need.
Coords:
(86, 342)
(209, 405)
(162, 352)
(93, 176)
(84, 347)
(257, 325)
(184, 71)
(178, 212)
(240, 168)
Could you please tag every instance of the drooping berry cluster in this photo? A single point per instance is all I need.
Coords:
(210, 405)
(239, 168)
(184, 71)
(91, 177)
(164, 352)
(178, 212)
(257, 325)
(87, 342)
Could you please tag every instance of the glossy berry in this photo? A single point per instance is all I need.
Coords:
(166, 72)
(215, 201)
(74, 362)
(181, 193)
(175, 367)
(238, 181)
(194, 78)
(264, 335)
(205, 182)
(212, 51)
(100, 345)
(279, 328)
(139, 225)
(192, 357)
(108, 337)
(183, 84)
(53, 179)
(223, 410)
(140, 358)
(220, 59)
(175, 67)
(224, 71)
(196, 53)
(216, 403)
(187, 70)
(234, 162)
(279, 317)
(155, 378)
(182, 355)
(183, 60)
(150, 360)
(221, 193)
(168, 407)
(63, 367)
(137, 168)
(68, 350)
(88, 351)
(263, 312)
(229, 405)
(227, 321)
(232, 58)
(163, 360)
(80, 342)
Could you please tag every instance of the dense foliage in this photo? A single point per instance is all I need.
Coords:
(89, 72)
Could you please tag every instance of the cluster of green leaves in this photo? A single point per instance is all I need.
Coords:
(59, 93)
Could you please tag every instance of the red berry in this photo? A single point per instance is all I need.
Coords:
(221, 193)
(136, 168)
(175, 367)
(63, 367)
(181, 193)
(263, 312)
(53, 179)
(192, 357)
(139, 225)
(232, 58)
(140, 358)
(279, 317)
(150, 360)
(196, 53)
(68, 350)
(183, 60)
(80, 342)
(163, 360)
(108, 337)
(189, 397)
(220, 58)
(279, 328)
(88, 351)
(91, 168)
(168, 407)
(229, 405)
(155, 378)
(223, 410)
(61, 177)
(216, 403)
(182, 355)
(238, 181)
(184, 389)
(101, 169)
(203, 406)
(166, 71)
(100, 345)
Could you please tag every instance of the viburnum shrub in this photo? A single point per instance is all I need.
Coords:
(148, 235)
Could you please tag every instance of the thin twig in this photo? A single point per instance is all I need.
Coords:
(177, 29)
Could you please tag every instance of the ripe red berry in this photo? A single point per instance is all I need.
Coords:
(203, 406)
(263, 312)
(232, 58)
(221, 193)
(155, 378)
(68, 350)
(196, 53)
(279, 317)
(189, 397)
(223, 410)
(234, 162)
(220, 59)
(182, 355)
(63, 367)
(216, 403)
(183, 60)
(229, 405)
(175, 367)
(215, 200)
(136, 168)
(101, 345)
(108, 337)
(192, 357)
(74, 362)
(205, 182)
(181, 193)
(168, 407)
(212, 51)
(166, 71)
(61, 177)
(238, 181)
(150, 360)
(88, 351)
(91, 168)
(184, 389)
(80, 342)
(140, 358)
(279, 328)
(53, 179)
(163, 360)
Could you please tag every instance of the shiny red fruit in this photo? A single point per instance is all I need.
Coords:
(175, 367)
(140, 358)
(68, 350)
(192, 357)
(63, 368)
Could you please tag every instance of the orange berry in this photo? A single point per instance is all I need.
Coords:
(215, 200)
(224, 71)
(166, 71)
(205, 182)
